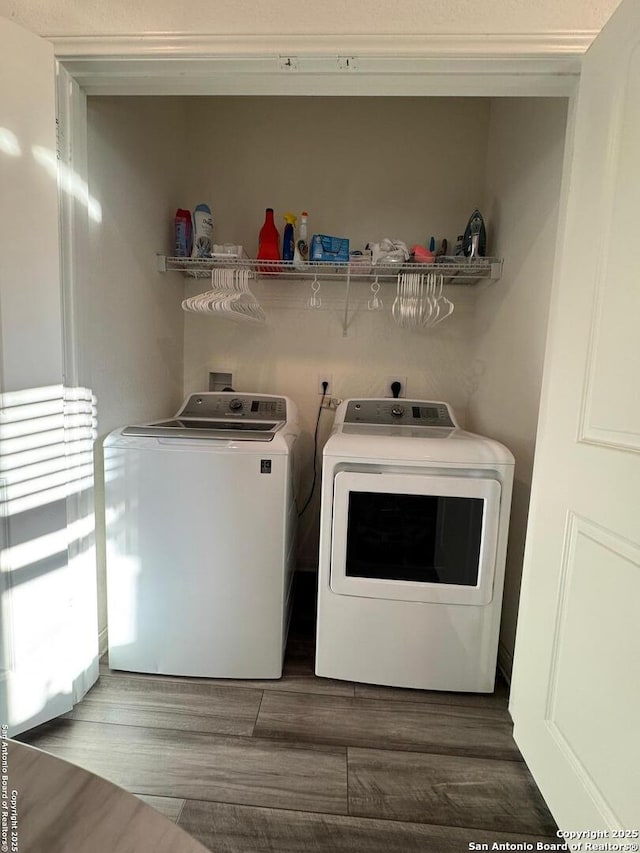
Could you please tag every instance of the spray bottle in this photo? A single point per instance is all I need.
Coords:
(301, 252)
(289, 238)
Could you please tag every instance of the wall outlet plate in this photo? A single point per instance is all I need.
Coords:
(390, 379)
(325, 377)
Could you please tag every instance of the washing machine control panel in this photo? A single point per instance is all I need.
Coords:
(414, 413)
(220, 405)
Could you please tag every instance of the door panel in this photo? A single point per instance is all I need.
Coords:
(47, 601)
(596, 559)
(30, 302)
(575, 686)
(612, 413)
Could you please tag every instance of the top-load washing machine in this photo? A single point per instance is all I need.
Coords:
(200, 529)
(413, 537)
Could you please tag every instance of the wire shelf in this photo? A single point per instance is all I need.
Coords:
(456, 270)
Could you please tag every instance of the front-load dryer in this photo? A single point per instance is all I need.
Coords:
(413, 537)
(200, 530)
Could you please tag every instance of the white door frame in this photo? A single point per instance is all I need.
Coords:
(437, 65)
(178, 64)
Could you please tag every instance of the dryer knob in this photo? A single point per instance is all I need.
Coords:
(397, 411)
(235, 405)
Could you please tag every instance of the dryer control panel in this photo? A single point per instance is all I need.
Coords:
(399, 412)
(218, 405)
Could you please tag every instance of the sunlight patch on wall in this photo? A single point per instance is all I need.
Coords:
(9, 143)
(47, 556)
(46, 445)
(24, 554)
(69, 180)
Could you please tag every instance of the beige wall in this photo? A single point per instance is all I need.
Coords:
(357, 176)
(287, 355)
(363, 168)
(135, 174)
(68, 17)
(524, 170)
(133, 347)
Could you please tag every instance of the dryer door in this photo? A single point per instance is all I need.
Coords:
(415, 537)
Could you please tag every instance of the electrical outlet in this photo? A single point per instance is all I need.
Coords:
(391, 379)
(328, 378)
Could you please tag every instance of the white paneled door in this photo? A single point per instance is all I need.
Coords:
(576, 684)
(48, 635)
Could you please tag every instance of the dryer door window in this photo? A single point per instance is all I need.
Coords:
(415, 537)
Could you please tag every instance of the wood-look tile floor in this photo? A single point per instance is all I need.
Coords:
(308, 765)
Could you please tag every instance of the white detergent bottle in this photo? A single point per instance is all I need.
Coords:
(301, 250)
(202, 232)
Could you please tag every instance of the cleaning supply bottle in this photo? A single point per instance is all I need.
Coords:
(301, 252)
(289, 238)
(202, 232)
(269, 243)
(183, 233)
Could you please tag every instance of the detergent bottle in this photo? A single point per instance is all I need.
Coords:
(202, 232)
(301, 251)
(289, 238)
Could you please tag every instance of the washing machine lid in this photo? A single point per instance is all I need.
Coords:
(214, 430)
(213, 415)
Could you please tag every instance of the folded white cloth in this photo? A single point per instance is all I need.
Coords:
(389, 251)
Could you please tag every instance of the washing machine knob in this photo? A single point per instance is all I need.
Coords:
(235, 405)
(397, 411)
